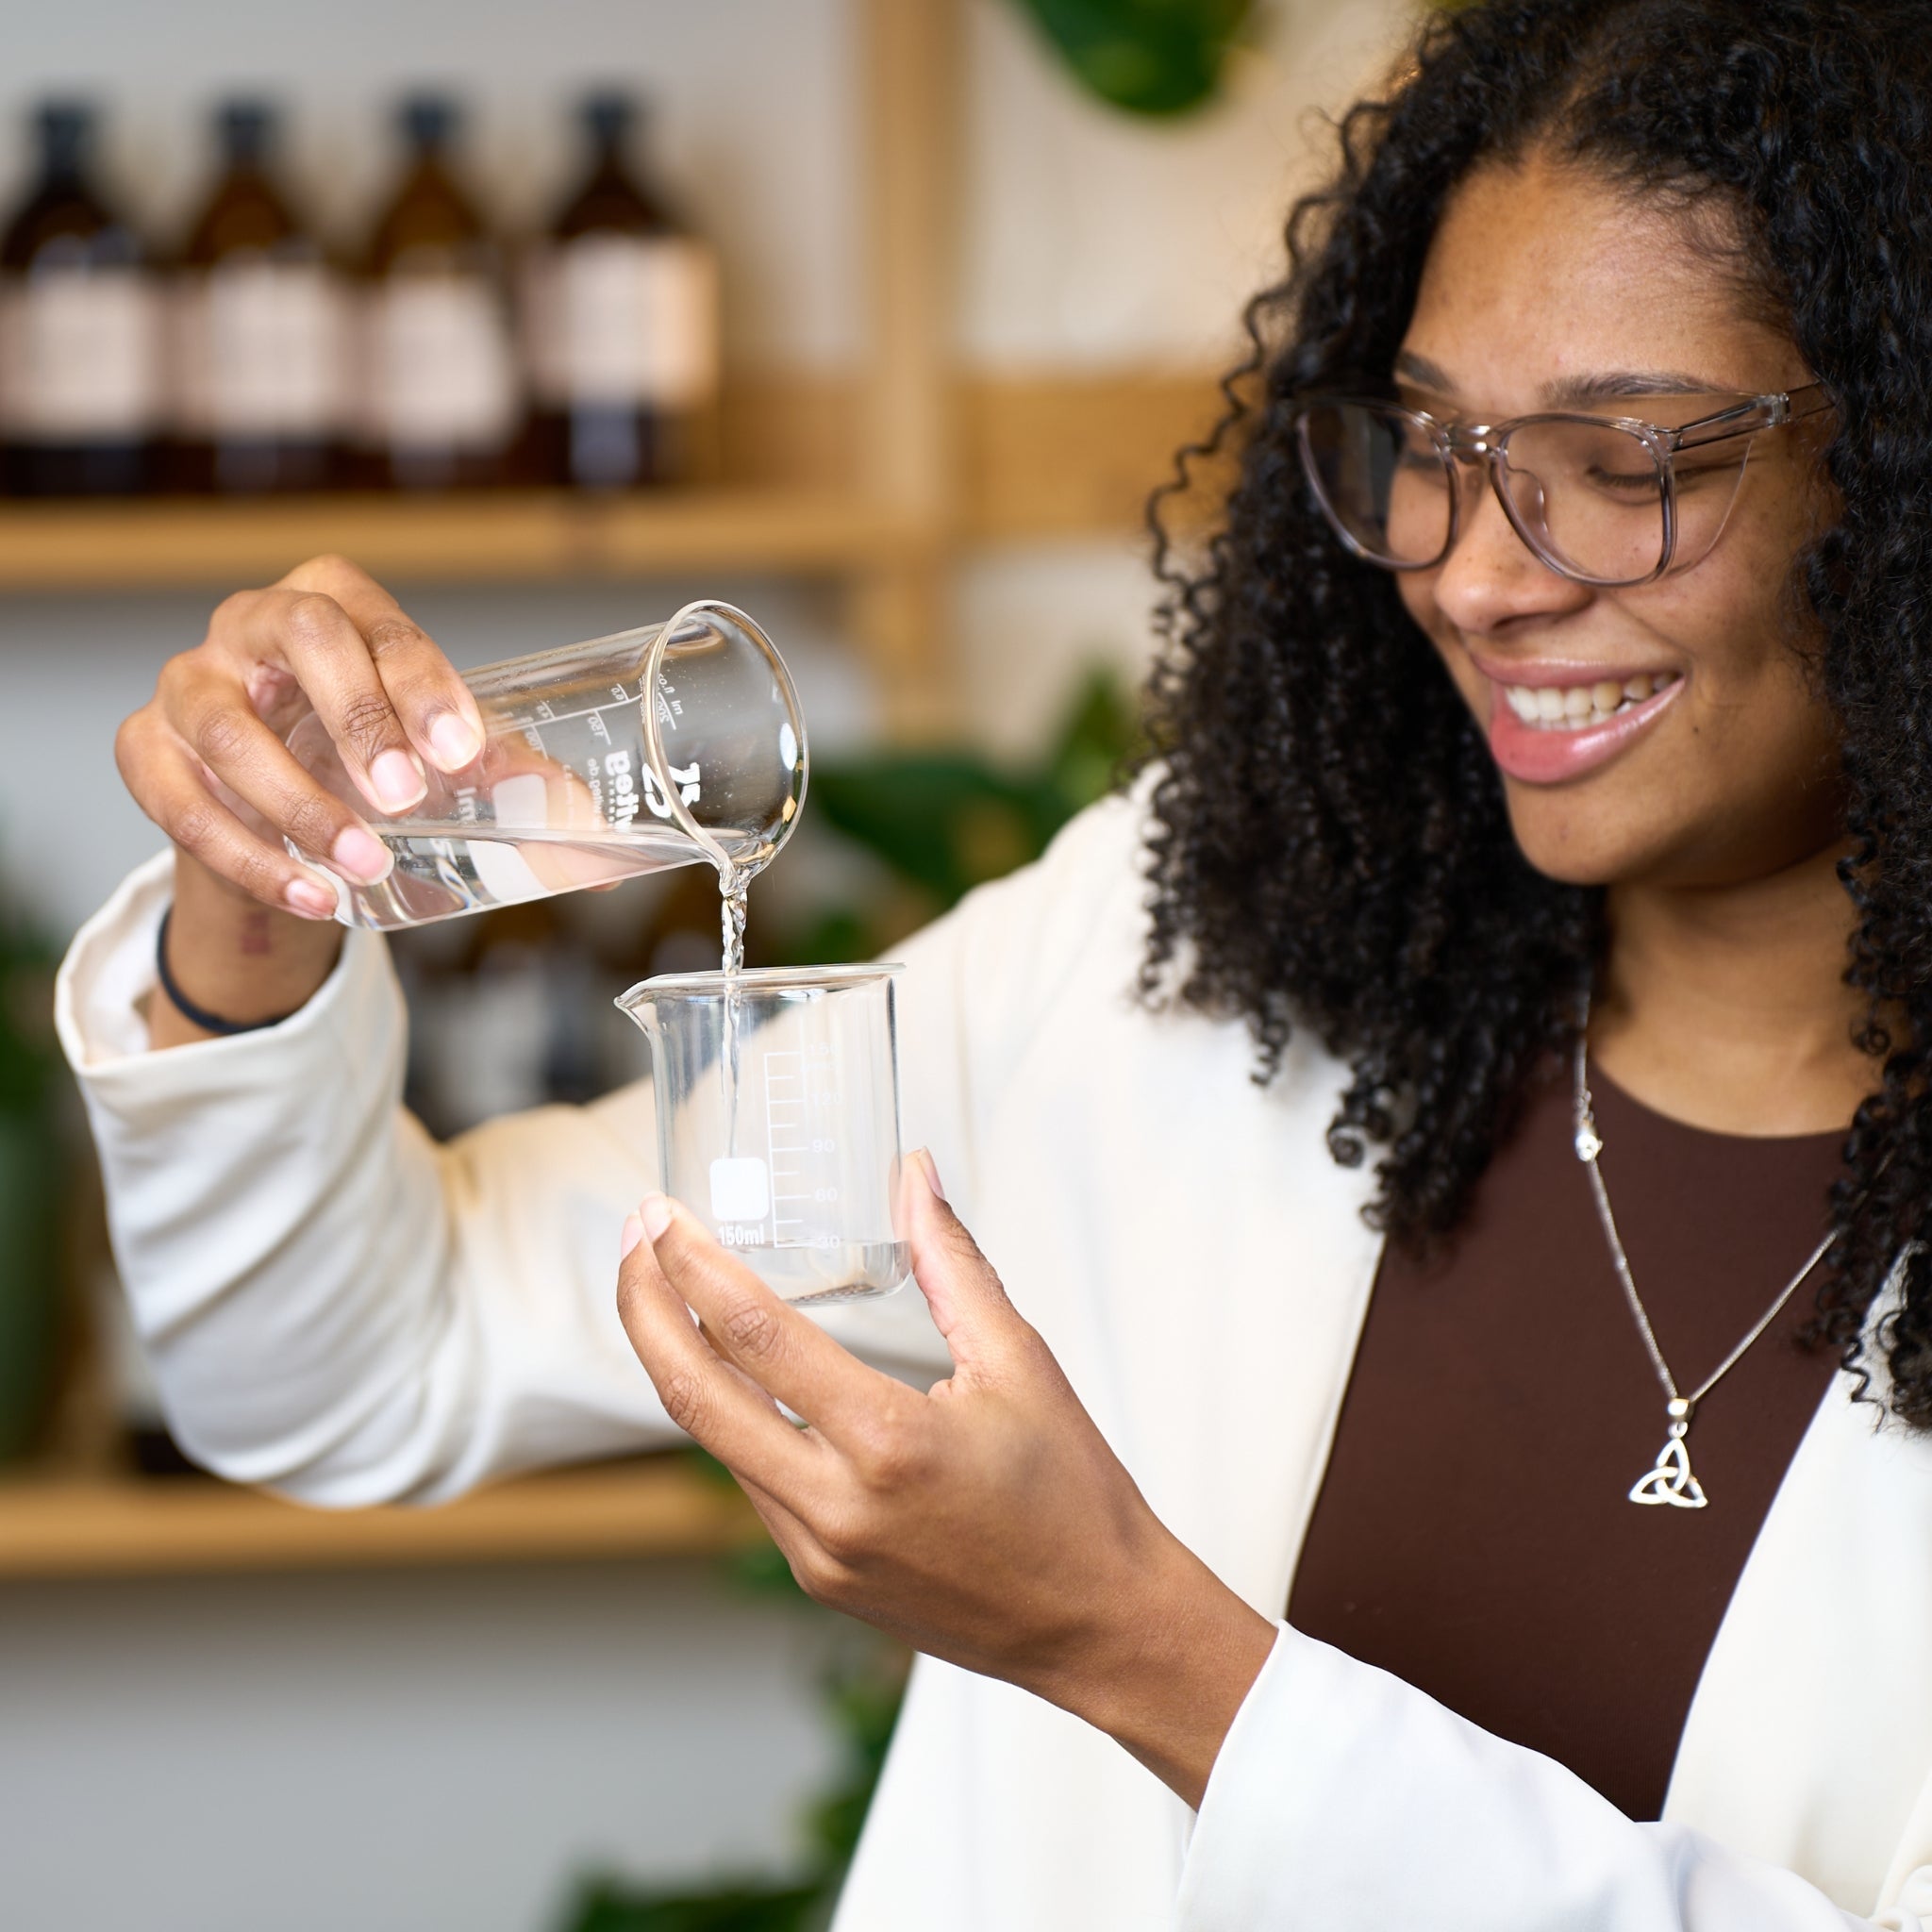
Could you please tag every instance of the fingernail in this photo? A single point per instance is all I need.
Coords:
(654, 1215)
(924, 1156)
(310, 899)
(397, 778)
(361, 854)
(454, 740)
(633, 1234)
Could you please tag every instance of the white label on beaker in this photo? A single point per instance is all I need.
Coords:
(505, 873)
(741, 1189)
(521, 802)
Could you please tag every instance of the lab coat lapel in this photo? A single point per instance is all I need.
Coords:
(1811, 1730)
(1227, 1274)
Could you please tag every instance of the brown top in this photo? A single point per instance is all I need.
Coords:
(1472, 1533)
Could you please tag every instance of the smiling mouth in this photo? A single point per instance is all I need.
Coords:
(1576, 706)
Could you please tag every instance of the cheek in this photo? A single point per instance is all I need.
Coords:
(1734, 626)
(1417, 590)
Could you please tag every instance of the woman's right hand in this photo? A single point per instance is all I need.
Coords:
(204, 759)
(253, 933)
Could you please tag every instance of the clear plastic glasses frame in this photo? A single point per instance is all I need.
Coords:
(1323, 425)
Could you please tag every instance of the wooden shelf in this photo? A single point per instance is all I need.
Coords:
(485, 536)
(70, 1527)
(1042, 457)
(1063, 455)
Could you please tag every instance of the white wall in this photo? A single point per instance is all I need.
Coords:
(1092, 237)
(443, 1752)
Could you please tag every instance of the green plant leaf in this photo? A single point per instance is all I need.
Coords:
(1157, 58)
(31, 1184)
(947, 821)
(1101, 736)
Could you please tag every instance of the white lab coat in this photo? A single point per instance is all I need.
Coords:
(337, 1307)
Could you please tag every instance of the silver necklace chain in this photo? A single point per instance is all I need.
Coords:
(1671, 1481)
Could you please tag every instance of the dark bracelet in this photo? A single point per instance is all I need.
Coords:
(200, 1016)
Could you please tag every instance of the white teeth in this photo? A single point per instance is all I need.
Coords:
(1567, 707)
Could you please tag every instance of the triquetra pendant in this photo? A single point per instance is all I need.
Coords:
(1672, 1481)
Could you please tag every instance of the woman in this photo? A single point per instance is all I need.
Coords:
(1546, 795)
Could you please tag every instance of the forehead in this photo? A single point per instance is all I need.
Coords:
(1543, 274)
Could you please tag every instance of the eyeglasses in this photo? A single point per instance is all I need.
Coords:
(1607, 501)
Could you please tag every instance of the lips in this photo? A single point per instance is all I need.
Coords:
(1550, 751)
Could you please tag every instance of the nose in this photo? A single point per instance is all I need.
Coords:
(1490, 578)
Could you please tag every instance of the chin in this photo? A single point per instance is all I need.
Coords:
(1574, 848)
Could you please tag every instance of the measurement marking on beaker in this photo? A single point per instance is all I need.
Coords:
(546, 716)
(774, 1105)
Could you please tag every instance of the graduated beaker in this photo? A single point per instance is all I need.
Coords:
(583, 781)
(777, 1097)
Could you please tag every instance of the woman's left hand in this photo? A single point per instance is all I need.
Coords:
(986, 1522)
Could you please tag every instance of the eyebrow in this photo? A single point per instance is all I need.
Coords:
(1574, 390)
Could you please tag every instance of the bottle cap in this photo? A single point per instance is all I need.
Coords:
(247, 127)
(428, 118)
(607, 114)
(66, 129)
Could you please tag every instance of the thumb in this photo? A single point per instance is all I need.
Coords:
(969, 1306)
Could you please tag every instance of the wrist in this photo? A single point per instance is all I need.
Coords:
(234, 956)
(1167, 1665)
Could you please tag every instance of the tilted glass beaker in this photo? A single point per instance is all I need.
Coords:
(581, 781)
(778, 1097)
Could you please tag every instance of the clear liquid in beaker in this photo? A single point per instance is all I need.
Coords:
(840, 1271)
(776, 1096)
(437, 874)
(776, 1189)
(673, 744)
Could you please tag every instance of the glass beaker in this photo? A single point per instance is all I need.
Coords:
(777, 1097)
(581, 781)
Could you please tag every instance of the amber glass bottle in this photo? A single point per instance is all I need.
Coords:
(441, 393)
(621, 322)
(261, 332)
(80, 329)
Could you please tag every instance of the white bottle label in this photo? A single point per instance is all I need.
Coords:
(440, 370)
(624, 320)
(261, 349)
(81, 355)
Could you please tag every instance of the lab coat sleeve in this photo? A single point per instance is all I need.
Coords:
(331, 1303)
(1343, 1796)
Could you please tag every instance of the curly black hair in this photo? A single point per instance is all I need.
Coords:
(1330, 846)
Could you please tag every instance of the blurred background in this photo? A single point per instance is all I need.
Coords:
(878, 317)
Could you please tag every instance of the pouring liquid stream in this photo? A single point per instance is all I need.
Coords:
(734, 889)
